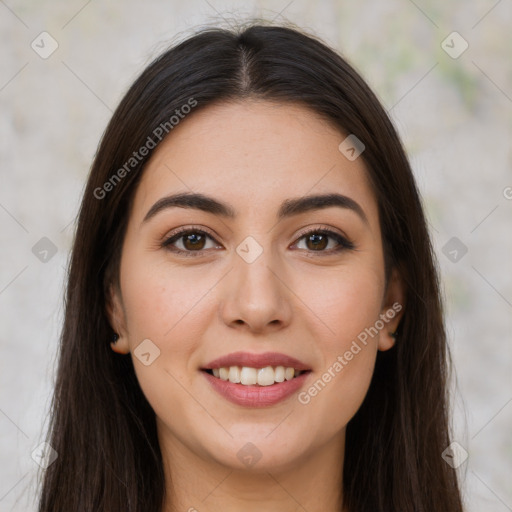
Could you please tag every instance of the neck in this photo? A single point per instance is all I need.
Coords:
(197, 483)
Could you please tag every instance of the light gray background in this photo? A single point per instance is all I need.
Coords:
(454, 115)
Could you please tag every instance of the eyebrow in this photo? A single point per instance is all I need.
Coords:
(288, 208)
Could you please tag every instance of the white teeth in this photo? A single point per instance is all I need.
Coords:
(250, 376)
(234, 374)
(279, 374)
(288, 373)
(266, 376)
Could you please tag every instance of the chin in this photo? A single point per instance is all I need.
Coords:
(258, 450)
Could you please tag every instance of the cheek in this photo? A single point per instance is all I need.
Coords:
(160, 302)
(172, 310)
(347, 300)
(163, 306)
(349, 304)
(332, 399)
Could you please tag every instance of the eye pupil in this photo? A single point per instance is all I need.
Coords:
(319, 240)
(195, 240)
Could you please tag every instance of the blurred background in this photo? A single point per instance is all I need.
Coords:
(443, 70)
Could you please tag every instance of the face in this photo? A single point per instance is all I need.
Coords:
(254, 274)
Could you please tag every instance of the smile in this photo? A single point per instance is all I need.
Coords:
(256, 380)
(247, 376)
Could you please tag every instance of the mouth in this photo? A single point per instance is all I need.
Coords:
(256, 380)
(249, 376)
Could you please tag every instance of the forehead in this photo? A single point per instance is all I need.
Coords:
(253, 154)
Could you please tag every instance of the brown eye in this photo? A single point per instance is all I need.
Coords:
(324, 241)
(317, 241)
(193, 241)
(190, 241)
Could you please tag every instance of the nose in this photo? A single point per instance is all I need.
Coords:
(255, 296)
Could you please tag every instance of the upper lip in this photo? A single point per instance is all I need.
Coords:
(256, 361)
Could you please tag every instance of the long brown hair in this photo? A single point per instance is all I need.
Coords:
(103, 428)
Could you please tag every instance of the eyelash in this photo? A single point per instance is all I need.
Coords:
(343, 243)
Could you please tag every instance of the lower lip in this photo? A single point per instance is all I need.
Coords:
(256, 396)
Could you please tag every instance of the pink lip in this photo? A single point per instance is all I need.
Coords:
(257, 361)
(256, 396)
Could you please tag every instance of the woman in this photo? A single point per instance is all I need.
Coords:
(253, 318)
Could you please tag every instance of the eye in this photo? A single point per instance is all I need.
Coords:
(324, 241)
(188, 241)
(193, 241)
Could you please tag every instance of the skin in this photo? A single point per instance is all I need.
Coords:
(294, 299)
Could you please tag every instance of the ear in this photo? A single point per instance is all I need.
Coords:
(393, 307)
(117, 318)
